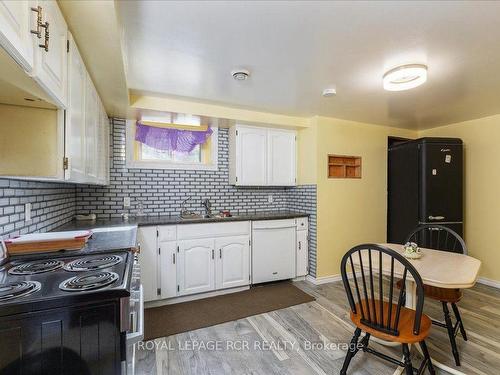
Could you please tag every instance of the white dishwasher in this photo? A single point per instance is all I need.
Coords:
(273, 250)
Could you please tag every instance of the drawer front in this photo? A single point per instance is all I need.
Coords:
(211, 230)
(302, 223)
(167, 233)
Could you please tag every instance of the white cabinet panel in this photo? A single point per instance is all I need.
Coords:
(75, 116)
(15, 35)
(168, 269)
(251, 156)
(233, 262)
(51, 63)
(91, 126)
(148, 258)
(302, 253)
(262, 156)
(281, 170)
(102, 145)
(195, 267)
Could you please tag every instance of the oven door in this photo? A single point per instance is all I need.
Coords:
(136, 332)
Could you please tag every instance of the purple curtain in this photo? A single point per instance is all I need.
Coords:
(170, 139)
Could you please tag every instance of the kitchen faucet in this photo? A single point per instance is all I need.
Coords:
(208, 207)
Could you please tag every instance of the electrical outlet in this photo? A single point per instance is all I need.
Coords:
(270, 198)
(27, 212)
(126, 201)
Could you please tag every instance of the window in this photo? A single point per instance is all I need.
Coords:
(152, 145)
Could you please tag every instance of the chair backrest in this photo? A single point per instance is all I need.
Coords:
(438, 237)
(373, 267)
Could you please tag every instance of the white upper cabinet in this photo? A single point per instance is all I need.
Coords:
(262, 156)
(281, 153)
(91, 131)
(75, 116)
(35, 34)
(15, 31)
(51, 57)
(103, 146)
(250, 155)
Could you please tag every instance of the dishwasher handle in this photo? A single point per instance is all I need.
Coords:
(274, 224)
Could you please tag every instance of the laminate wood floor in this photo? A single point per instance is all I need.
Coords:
(311, 338)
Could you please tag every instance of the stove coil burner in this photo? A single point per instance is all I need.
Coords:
(32, 268)
(89, 281)
(92, 263)
(18, 289)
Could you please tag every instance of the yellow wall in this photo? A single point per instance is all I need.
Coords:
(21, 153)
(482, 187)
(350, 211)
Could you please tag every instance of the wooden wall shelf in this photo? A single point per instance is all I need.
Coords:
(342, 166)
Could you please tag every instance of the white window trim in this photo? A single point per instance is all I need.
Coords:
(134, 164)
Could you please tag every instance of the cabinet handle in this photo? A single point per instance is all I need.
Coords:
(38, 11)
(300, 245)
(173, 258)
(213, 254)
(45, 45)
(220, 253)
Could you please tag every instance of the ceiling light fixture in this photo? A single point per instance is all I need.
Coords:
(405, 77)
(240, 74)
(327, 93)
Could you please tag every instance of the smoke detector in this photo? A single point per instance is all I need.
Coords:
(240, 74)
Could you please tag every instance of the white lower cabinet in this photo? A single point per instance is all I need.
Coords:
(232, 266)
(195, 267)
(168, 269)
(302, 253)
(148, 257)
(188, 259)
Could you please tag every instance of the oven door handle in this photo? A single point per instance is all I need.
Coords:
(138, 335)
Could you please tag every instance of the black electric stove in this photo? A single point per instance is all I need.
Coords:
(31, 285)
(65, 314)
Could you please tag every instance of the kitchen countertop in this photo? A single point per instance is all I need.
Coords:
(176, 219)
(117, 234)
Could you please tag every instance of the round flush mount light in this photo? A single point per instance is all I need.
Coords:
(405, 77)
(327, 93)
(240, 74)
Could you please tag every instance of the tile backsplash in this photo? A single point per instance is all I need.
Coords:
(160, 192)
(52, 205)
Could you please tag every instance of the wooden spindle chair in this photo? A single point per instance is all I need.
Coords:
(380, 312)
(438, 237)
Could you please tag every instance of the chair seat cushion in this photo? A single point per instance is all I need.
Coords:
(405, 326)
(439, 294)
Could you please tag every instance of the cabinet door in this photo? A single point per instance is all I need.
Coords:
(91, 126)
(251, 156)
(15, 35)
(232, 267)
(75, 116)
(302, 253)
(51, 65)
(102, 146)
(195, 267)
(168, 269)
(148, 258)
(281, 158)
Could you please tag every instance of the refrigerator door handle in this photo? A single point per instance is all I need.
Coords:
(436, 217)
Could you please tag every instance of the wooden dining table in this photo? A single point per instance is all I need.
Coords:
(438, 268)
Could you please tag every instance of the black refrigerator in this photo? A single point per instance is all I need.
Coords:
(425, 186)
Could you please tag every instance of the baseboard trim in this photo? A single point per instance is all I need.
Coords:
(489, 282)
(323, 279)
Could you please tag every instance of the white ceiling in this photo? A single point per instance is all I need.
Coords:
(296, 49)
